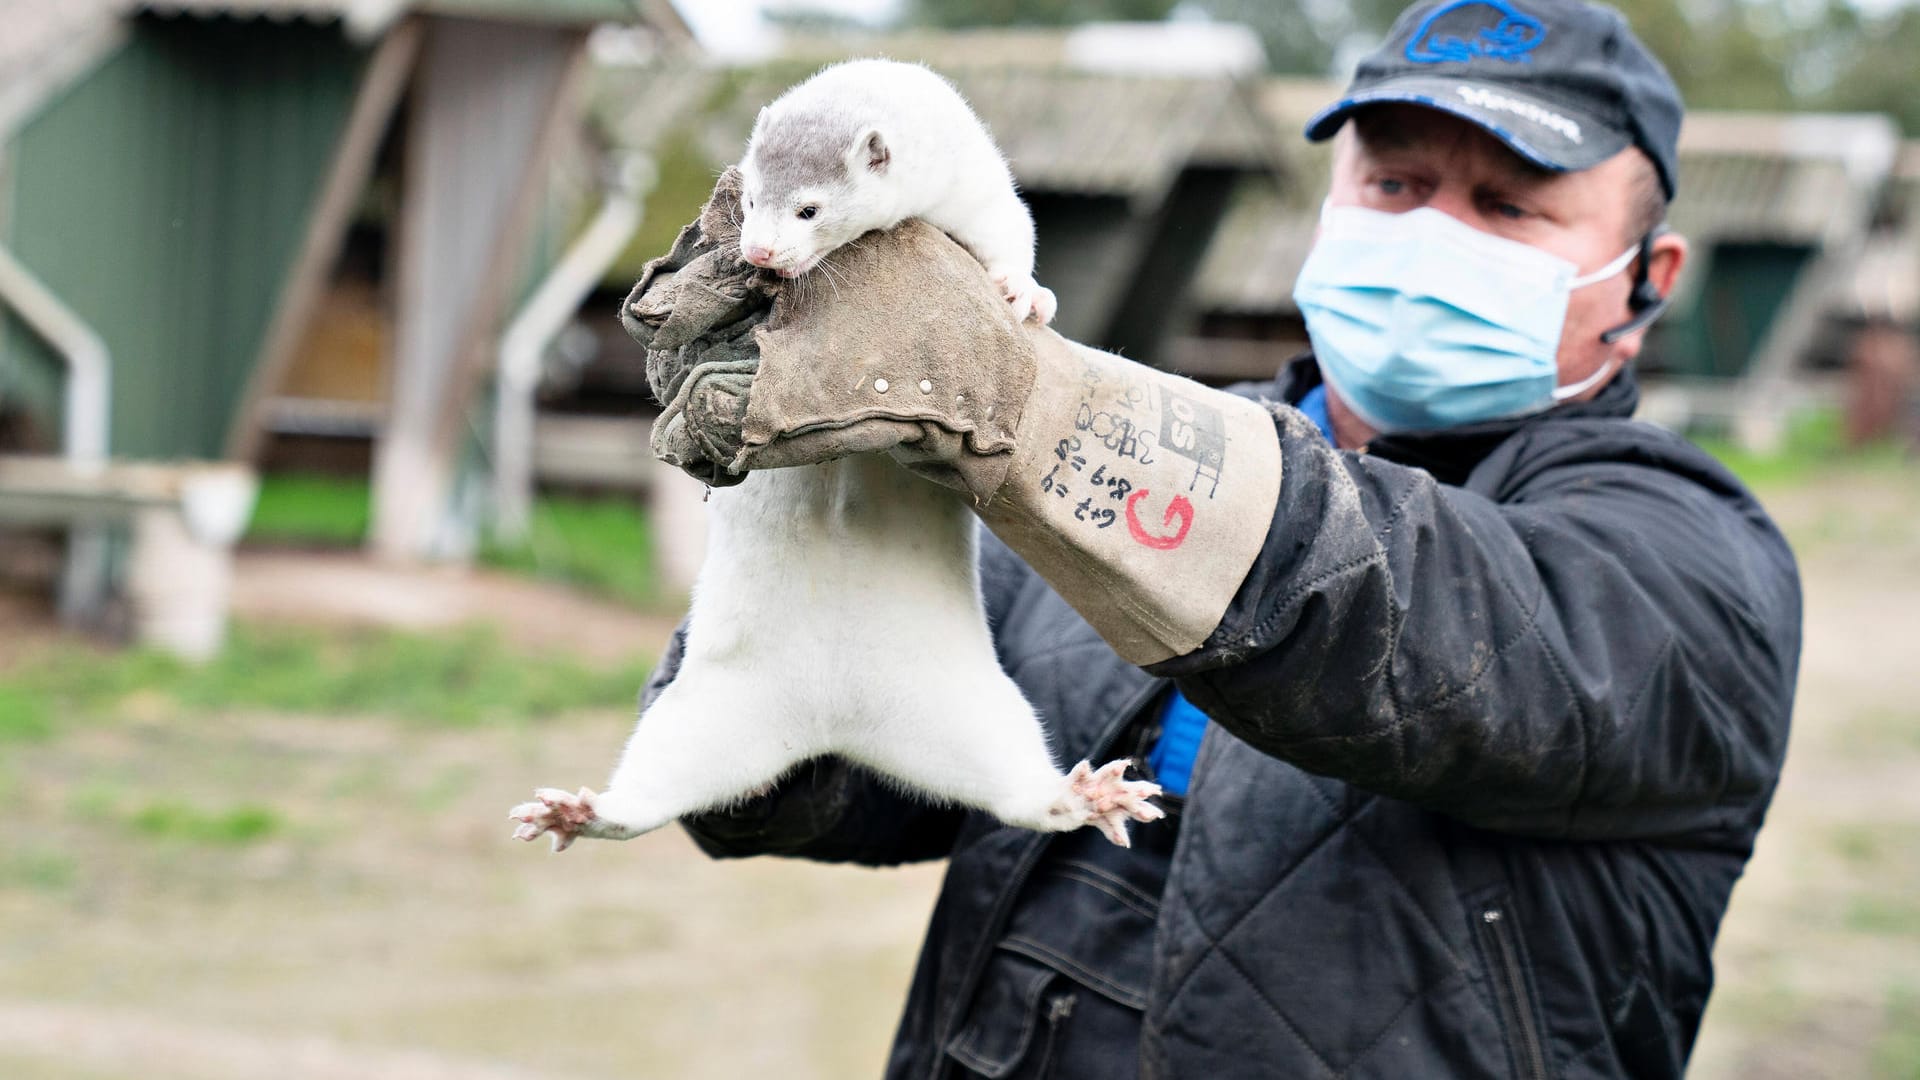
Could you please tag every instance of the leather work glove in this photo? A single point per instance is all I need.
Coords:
(1141, 497)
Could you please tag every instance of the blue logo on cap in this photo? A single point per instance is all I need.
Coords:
(1505, 33)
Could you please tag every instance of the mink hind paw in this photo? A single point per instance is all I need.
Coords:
(565, 817)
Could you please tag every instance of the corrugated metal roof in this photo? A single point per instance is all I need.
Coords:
(286, 9)
(1761, 198)
(566, 11)
(46, 43)
(1887, 283)
(36, 27)
(1025, 48)
(1082, 120)
(1256, 254)
(363, 19)
(1067, 131)
(1782, 178)
(1062, 131)
(382, 11)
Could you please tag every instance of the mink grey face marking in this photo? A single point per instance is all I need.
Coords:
(802, 197)
(802, 150)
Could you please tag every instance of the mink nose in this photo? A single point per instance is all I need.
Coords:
(756, 254)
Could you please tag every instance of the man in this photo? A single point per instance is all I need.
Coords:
(1468, 691)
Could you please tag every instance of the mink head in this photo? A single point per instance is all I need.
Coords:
(811, 184)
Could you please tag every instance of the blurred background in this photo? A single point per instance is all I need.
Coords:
(328, 528)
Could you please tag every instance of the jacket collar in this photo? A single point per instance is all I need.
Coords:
(1452, 454)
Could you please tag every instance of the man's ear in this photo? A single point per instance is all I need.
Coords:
(869, 151)
(1669, 255)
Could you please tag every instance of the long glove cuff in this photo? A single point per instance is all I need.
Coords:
(1143, 498)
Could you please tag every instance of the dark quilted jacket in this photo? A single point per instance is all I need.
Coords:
(1498, 714)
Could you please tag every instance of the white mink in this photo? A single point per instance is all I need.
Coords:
(839, 612)
(866, 145)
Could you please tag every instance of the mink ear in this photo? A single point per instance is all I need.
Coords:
(870, 152)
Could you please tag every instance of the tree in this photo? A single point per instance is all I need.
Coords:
(1877, 73)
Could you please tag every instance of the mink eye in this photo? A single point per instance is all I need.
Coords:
(806, 212)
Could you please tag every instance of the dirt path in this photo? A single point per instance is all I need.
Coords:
(385, 926)
(1818, 962)
(121, 1042)
(352, 588)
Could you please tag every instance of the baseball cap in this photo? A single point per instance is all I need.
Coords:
(1564, 83)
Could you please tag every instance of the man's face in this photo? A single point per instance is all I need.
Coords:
(1396, 158)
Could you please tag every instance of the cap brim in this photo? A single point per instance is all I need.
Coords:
(1549, 135)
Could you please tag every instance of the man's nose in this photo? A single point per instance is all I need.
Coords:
(1456, 204)
(757, 254)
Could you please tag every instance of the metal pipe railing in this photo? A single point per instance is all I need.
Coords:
(85, 422)
(535, 326)
(88, 401)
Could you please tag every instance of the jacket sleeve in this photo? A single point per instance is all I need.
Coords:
(826, 809)
(1601, 644)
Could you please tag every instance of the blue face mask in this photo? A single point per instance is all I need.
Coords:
(1420, 321)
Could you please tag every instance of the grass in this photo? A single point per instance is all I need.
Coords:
(1883, 916)
(1876, 732)
(1886, 845)
(49, 871)
(23, 715)
(1815, 441)
(174, 820)
(603, 545)
(1897, 1055)
(311, 509)
(460, 680)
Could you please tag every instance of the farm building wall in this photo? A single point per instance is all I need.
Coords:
(163, 199)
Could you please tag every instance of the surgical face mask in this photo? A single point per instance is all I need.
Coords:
(1420, 321)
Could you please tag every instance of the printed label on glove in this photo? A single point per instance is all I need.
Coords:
(1157, 494)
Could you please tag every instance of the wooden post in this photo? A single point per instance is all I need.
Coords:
(487, 104)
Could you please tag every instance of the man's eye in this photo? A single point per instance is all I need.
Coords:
(1391, 186)
(806, 212)
(1509, 211)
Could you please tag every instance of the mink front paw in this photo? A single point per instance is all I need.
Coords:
(1107, 800)
(564, 816)
(1026, 296)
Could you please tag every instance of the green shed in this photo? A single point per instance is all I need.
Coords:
(163, 198)
(179, 179)
(180, 184)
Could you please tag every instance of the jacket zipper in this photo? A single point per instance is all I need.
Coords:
(1003, 906)
(1058, 1009)
(1511, 988)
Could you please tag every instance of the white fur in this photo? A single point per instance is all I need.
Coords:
(838, 610)
(942, 167)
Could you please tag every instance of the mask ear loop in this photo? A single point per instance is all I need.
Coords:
(1645, 301)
